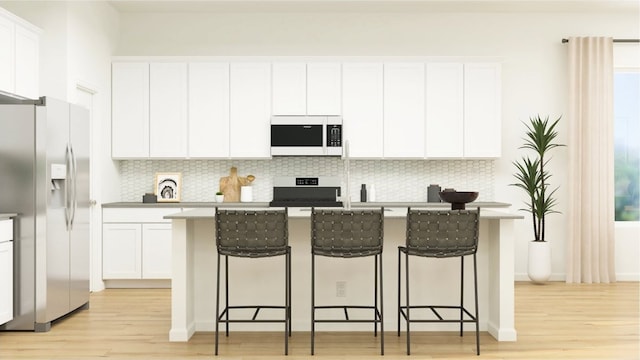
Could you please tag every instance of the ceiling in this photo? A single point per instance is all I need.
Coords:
(142, 6)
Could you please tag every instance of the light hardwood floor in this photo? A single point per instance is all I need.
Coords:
(554, 321)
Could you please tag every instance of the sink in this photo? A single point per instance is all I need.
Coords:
(458, 199)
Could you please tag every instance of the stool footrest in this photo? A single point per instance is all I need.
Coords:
(433, 308)
(346, 313)
(255, 314)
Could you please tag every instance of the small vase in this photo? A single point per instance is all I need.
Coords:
(539, 262)
(219, 198)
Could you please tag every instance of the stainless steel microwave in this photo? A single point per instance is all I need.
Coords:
(306, 136)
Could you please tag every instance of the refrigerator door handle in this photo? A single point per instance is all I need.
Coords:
(74, 196)
(67, 212)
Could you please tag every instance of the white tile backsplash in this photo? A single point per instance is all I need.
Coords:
(395, 180)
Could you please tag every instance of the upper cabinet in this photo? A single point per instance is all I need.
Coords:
(444, 110)
(168, 110)
(19, 56)
(130, 110)
(208, 110)
(482, 110)
(306, 88)
(289, 86)
(324, 95)
(362, 111)
(404, 110)
(250, 110)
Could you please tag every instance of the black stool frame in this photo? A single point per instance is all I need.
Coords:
(440, 234)
(348, 234)
(252, 234)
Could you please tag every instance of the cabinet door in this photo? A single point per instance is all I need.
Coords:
(482, 110)
(156, 251)
(404, 110)
(250, 108)
(7, 55)
(168, 110)
(208, 110)
(444, 110)
(6, 282)
(362, 110)
(289, 85)
(121, 251)
(27, 63)
(130, 110)
(323, 89)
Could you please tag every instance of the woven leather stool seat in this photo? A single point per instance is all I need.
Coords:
(348, 234)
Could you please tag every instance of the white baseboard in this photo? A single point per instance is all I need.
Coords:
(562, 277)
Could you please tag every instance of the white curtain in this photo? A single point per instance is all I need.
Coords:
(590, 253)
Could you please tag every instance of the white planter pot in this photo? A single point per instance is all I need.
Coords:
(219, 198)
(539, 262)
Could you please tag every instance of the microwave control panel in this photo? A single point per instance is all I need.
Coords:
(334, 135)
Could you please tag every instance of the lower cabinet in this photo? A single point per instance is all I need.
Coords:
(139, 248)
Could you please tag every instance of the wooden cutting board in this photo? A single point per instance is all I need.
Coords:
(230, 185)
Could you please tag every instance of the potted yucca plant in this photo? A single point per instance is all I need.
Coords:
(533, 177)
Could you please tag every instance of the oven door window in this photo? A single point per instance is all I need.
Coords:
(296, 135)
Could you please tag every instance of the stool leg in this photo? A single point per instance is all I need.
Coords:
(375, 295)
(399, 287)
(475, 281)
(289, 287)
(381, 309)
(313, 301)
(461, 292)
(226, 292)
(217, 302)
(406, 277)
(286, 301)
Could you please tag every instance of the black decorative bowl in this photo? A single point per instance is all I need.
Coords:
(458, 198)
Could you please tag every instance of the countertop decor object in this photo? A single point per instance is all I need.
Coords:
(230, 185)
(458, 199)
(168, 187)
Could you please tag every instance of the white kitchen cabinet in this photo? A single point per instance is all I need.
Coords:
(121, 251)
(444, 126)
(19, 56)
(156, 251)
(136, 243)
(289, 86)
(27, 63)
(482, 110)
(404, 100)
(168, 110)
(324, 95)
(6, 270)
(130, 110)
(208, 110)
(250, 110)
(362, 111)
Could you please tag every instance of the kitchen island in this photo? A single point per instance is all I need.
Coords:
(194, 264)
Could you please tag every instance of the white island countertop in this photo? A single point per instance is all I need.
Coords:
(303, 212)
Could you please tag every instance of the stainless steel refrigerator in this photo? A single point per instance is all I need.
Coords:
(44, 177)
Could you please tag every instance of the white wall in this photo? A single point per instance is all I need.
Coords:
(533, 72)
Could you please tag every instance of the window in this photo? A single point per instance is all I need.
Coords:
(626, 103)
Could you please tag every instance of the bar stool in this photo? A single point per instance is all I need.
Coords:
(348, 234)
(252, 234)
(440, 234)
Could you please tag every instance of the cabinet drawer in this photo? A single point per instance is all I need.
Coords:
(137, 215)
(6, 230)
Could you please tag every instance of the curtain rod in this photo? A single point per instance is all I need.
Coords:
(614, 40)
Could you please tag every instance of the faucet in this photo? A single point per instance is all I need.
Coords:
(347, 175)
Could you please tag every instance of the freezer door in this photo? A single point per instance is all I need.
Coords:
(80, 213)
(52, 251)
